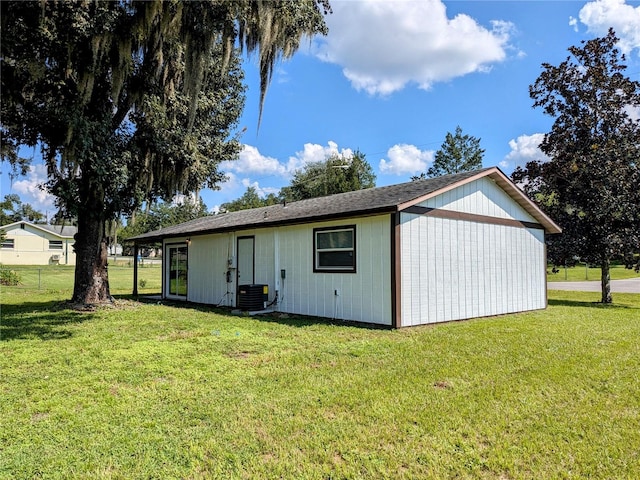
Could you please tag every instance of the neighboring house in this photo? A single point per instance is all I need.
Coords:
(447, 248)
(27, 243)
(114, 249)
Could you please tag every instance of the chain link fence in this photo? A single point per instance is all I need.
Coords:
(61, 277)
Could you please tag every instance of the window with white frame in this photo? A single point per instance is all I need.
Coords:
(55, 244)
(7, 243)
(334, 249)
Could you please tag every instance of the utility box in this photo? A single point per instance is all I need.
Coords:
(253, 297)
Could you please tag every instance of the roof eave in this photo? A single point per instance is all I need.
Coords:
(159, 236)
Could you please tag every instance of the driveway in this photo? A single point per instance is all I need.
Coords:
(631, 285)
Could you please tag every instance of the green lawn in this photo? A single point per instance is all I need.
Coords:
(169, 391)
(580, 273)
(59, 278)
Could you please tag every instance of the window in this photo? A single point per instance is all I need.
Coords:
(7, 243)
(55, 244)
(334, 249)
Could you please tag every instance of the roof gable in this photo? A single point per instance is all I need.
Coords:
(371, 201)
(62, 231)
(506, 185)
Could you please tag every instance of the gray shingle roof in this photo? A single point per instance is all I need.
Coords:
(62, 230)
(65, 231)
(343, 205)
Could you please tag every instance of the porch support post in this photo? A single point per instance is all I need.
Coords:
(135, 269)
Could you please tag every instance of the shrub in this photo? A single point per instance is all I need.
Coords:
(9, 277)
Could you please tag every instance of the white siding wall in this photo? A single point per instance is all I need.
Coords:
(364, 296)
(481, 197)
(457, 269)
(208, 266)
(207, 270)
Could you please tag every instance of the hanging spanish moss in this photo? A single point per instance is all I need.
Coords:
(132, 101)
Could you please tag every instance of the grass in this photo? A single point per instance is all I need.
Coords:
(59, 278)
(176, 391)
(580, 273)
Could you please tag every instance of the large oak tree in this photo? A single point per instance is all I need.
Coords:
(591, 185)
(133, 100)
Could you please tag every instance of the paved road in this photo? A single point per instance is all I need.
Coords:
(631, 285)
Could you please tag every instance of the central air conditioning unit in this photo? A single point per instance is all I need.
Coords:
(253, 297)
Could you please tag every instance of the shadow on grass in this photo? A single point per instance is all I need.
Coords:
(288, 319)
(42, 320)
(304, 321)
(577, 303)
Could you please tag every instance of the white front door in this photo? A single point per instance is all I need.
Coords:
(245, 260)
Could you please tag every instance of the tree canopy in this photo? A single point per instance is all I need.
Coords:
(163, 214)
(13, 210)
(132, 101)
(250, 199)
(336, 174)
(591, 185)
(458, 153)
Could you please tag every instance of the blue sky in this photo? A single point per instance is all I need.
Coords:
(394, 76)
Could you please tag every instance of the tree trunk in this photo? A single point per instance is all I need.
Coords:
(605, 281)
(91, 284)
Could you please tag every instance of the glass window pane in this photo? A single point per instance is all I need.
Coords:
(339, 239)
(178, 271)
(335, 259)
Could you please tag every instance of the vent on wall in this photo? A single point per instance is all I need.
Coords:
(253, 297)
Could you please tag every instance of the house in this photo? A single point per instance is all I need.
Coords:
(448, 248)
(27, 243)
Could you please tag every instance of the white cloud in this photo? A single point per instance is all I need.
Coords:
(30, 188)
(600, 15)
(312, 152)
(282, 76)
(524, 149)
(384, 45)
(573, 22)
(180, 199)
(406, 159)
(251, 161)
(633, 112)
(231, 184)
(252, 168)
(261, 191)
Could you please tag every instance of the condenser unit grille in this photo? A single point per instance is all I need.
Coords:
(253, 297)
